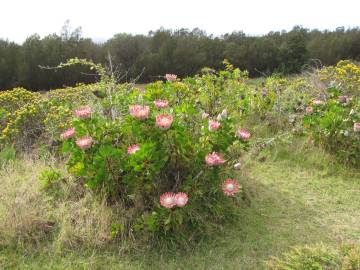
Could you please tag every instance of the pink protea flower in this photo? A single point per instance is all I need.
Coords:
(357, 127)
(67, 134)
(204, 115)
(167, 200)
(170, 77)
(343, 99)
(161, 103)
(181, 199)
(139, 111)
(243, 134)
(164, 121)
(83, 112)
(309, 109)
(230, 187)
(213, 125)
(318, 102)
(84, 142)
(133, 148)
(214, 159)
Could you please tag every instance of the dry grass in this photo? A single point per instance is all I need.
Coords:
(25, 214)
(86, 223)
(71, 217)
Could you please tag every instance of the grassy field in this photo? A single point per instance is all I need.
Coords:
(296, 196)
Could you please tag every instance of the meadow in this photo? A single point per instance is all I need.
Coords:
(267, 172)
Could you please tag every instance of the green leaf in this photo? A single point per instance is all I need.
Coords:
(66, 147)
(168, 220)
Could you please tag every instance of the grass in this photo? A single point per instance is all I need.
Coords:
(297, 196)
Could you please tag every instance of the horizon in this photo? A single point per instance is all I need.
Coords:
(257, 18)
(103, 40)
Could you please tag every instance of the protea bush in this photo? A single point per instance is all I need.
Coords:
(334, 124)
(170, 167)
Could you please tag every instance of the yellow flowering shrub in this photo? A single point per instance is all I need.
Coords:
(29, 116)
(16, 98)
(13, 100)
(24, 125)
(345, 75)
(70, 95)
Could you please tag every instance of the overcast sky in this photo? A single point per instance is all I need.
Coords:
(102, 19)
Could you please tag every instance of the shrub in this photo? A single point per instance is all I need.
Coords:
(12, 103)
(279, 103)
(344, 76)
(30, 118)
(331, 123)
(214, 90)
(14, 99)
(49, 177)
(167, 165)
(24, 126)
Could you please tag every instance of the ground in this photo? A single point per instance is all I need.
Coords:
(294, 198)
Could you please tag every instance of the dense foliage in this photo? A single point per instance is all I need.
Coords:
(333, 116)
(183, 52)
(162, 154)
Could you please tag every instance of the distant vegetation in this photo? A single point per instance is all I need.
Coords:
(182, 52)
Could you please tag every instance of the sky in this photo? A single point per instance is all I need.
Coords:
(102, 19)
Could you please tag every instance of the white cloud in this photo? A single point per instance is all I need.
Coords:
(104, 18)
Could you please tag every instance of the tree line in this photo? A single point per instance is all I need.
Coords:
(183, 52)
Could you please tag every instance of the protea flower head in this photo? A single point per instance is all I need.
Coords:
(204, 115)
(139, 111)
(133, 148)
(164, 121)
(170, 77)
(214, 159)
(357, 127)
(159, 103)
(243, 134)
(84, 142)
(213, 125)
(181, 199)
(318, 102)
(167, 200)
(68, 134)
(83, 112)
(237, 166)
(309, 109)
(230, 187)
